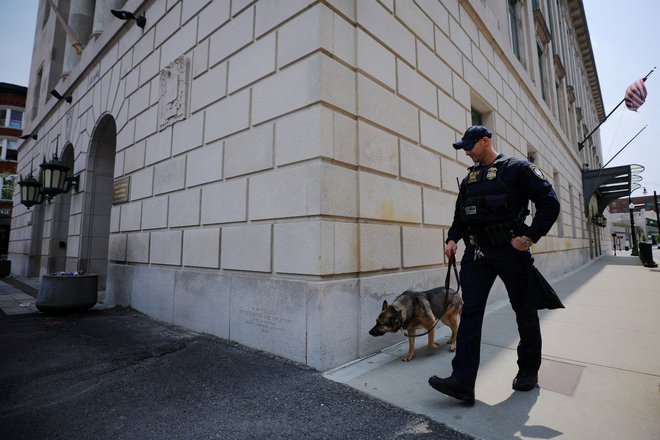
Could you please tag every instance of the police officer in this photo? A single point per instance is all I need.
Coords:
(489, 217)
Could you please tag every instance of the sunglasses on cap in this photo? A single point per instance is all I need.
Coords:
(472, 135)
(470, 146)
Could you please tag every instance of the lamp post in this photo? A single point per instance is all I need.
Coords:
(635, 251)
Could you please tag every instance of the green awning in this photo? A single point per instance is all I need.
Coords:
(609, 184)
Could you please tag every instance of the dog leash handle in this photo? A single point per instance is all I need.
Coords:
(452, 264)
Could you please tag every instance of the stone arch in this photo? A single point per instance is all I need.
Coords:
(97, 203)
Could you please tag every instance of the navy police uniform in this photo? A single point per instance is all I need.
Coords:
(490, 210)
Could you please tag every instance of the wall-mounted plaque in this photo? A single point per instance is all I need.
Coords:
(120, 190)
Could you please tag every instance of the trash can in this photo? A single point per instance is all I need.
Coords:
(646, 255)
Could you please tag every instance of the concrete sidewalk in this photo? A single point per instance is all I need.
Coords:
(18, 296)
(599, 379)
(117, 374)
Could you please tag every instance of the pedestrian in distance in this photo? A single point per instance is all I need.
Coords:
(489, 216)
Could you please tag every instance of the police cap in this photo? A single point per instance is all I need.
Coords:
(471, 136)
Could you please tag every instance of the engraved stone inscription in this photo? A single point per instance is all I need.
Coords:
(266, 319)
(173, 92)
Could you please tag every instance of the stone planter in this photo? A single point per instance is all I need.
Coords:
(67, 293)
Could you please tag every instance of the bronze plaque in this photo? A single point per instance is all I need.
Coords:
(120, 190)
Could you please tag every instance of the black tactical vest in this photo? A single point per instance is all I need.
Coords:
(488, 206)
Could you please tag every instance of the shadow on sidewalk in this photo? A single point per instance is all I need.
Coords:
(513, 414)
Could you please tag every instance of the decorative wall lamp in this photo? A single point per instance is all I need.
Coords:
(30, 191)
(121, 14)
(28, 136)
(53, 181)
(599, 220)
(59, 97)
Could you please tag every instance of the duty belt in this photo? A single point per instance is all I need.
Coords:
(491, 235)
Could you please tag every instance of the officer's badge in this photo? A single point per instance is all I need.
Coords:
(492, 173)
(537, 171)
(472, 177)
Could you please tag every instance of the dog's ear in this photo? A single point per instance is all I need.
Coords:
(384, 305)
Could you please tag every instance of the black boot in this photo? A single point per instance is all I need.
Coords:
(454, 388)
(525, 380)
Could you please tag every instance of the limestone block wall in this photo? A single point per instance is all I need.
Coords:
(290, 161)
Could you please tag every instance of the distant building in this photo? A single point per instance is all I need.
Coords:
(644, 217)
(646, 202)
(12, 107)
(269, 171)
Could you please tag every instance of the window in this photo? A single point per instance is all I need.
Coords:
(37, 92)
(570, 197)
(16, 120)
(551, 26)
(480, 112)
(7, 188)
(9, 149)
(477, 117)
(11, 118)
(556, 185)
(11, 152)
(561, 105)
(531, 155)
(514, 25)
(542, 73)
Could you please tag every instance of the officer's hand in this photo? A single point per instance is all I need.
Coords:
(521, 243)
(450, 248)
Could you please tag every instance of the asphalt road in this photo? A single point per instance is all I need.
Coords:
(117, 374)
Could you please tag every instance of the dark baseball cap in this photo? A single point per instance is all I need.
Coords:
(471, 136)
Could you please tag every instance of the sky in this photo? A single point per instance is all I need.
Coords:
(624, 36)
(19, 18)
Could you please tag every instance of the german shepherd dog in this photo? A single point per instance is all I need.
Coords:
(415, 310)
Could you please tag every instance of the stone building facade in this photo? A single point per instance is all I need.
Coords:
(269, 171)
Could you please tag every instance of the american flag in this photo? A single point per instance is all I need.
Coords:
(635, 95)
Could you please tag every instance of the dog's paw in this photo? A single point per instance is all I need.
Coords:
(434, 346)
(452, 348)
(406, 359)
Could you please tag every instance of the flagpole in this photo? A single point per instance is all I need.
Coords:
(581, 144)
(67, 29)
(617, 153)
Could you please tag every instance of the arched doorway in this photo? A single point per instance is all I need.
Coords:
(61, 211)
(97, 203)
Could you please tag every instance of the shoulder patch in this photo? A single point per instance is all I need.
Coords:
(537, 172)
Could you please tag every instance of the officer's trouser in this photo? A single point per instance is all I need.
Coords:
(477, 278)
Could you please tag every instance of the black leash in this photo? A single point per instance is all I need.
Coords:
(452, 263)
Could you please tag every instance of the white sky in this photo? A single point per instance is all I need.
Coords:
(625, 36)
